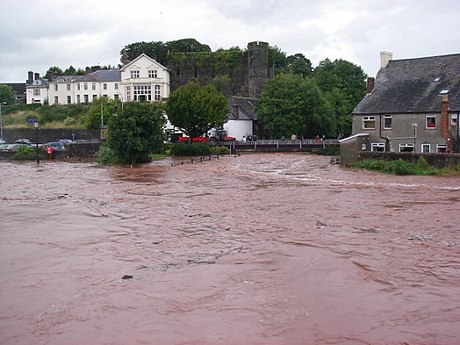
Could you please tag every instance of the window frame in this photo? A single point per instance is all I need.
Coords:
(406, 145)
(385, 118)
(378, 146)
(135, 74)
(427, 123)
(424, 146)
(366, 120)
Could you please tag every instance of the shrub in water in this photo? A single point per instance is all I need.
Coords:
(197, 149)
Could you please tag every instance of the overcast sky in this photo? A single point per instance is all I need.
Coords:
(35, 35)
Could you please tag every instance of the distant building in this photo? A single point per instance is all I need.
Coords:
(413, 105)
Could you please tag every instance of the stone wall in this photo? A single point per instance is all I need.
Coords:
(48, 134)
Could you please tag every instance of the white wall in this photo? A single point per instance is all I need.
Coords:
(238, 128)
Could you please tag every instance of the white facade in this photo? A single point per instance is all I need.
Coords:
(239, 128)
(144, 79)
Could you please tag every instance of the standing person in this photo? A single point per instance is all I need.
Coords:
(293, 137)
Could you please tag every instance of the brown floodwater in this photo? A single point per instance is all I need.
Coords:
(255, 249)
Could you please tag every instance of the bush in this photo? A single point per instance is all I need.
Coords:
(220, 150)
(197, 149)
(105, 155)
(401, 167)
(25, 153)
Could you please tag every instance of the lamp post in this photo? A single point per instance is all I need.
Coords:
(36, 142)
(1, 120)
(414, 125)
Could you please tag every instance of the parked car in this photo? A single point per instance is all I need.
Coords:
(65, 141)
(56, 145)
(2, 142)
(24, 141)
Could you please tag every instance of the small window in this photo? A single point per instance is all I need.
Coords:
(431, 121)
(56, 99)
(36, 92)
(116, 86)
(78, 86)
(368, 122)
(86, 98)
(55, 87)
(93, 86)
(116, 96)
(94, 97)
(69, 99)
(85, 86)
(440, 148)
(104, 86)
(135, 74)
(454, 120)
(378, 147)
(426, 148)
(153, 74)
(406, 147)
(78, 99)
(68, 87)
(157, 92)
(387, 122)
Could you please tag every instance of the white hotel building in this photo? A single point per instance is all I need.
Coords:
(143, 79)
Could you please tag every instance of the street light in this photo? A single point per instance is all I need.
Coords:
(414, 125)
(1, 120)
(36, 142)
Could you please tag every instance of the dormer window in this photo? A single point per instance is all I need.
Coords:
(153, 74)
(134, 74)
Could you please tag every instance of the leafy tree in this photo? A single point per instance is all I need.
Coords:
(92, 117)
(299, 64)
(53, 72)
(292, 104)
(136, 131)
(7, 94)
(277, 58)
(187, 45)
(195, 109)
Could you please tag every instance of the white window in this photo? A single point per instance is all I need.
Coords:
(56, 99)
(387, 122)
(153, 74)
(93, 86)
(68, 87)
(78, 99)
(134, 74)
(157, 92)
(378, 147)
(430, 121)
(406, 147)
(94, 97)
(36, 92)
(368, 122)
(55, 87)
(116, 96)
(128, 93)
(104, 86)
(454, 120)
(78, 86)
(86, 98)
(85, 86)
(441, 148)
(426, 148)
(142, 93)
(69, 100)
(116, 86)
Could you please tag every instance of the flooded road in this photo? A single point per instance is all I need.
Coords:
(256, 249)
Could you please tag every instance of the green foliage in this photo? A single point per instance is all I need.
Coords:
(92, 117)
(400, 167)
(53, 72)
(276, 57)
(6, 94)
(136, 132)
(25, 153)
(197, 149)
(292, 104)
(220, 150)
(105, 155)
(59, 112)
(195, 109)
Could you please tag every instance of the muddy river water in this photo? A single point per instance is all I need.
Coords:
(255, 249)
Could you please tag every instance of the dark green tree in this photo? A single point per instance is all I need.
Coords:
(291, 104)
(195, 109)
(277, 59)
(187, 45)
(156, 50)
(299, 64)
(6, 94)
(136, 132)
(53, 72)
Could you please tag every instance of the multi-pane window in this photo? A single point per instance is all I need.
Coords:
(78, 86)
(440, 148)
(368, 122)
(86, 98)
(431, 121)
(454, 120)
(116, 96)
(378, 147)
(116, 86)
(406, 147)
(69, 100)
(426, 148)
(134, 74)
(128, 93)
(157, 92)
(153, 74)
(85, 86)
(78, 99)
(56, 87)
(142, 93)
(93, 86)
(94, 97)
(56, 99)
(104, 86)
(68, 87)
(36, 92)
(387, 122)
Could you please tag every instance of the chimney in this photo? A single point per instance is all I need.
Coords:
(30, 77)
(385, 58)
(445, 123)
(36, 76)
(370, 84)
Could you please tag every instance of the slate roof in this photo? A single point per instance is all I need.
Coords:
(108, 74)
(414, 86)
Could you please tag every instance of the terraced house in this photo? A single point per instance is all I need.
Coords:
(413, 105)
(143, 79)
